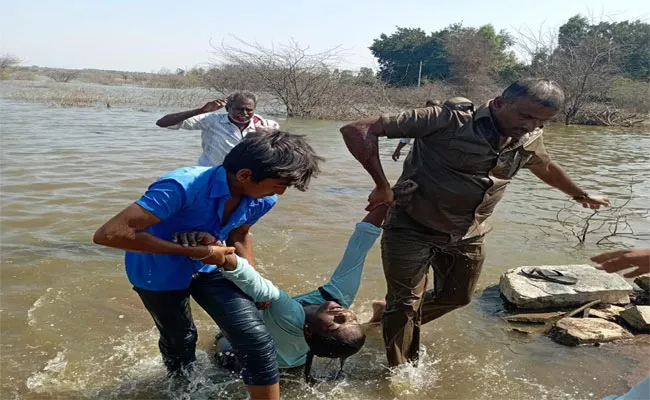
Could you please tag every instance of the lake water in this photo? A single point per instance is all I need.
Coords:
(73, 328)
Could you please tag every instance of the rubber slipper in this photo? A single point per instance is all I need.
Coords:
(550, 275)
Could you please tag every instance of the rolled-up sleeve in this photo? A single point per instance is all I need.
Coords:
(191, 124)
(416, 123)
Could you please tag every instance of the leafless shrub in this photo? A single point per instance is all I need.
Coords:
(301, 80)
(63, 75)
(604, 224)
(8, 61)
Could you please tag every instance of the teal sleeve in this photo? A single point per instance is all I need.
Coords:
(345, 281)
(252, 283)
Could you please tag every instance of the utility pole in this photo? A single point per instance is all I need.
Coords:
(420, 74)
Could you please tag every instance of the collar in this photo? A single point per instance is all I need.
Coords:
(484, 112)
(226, 120)
(219, 183)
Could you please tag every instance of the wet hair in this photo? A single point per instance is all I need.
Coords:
(546, 92)
(338, 345)
(275, 155)
(237, 96)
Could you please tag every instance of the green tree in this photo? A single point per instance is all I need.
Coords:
(400, 54)
(447, 53)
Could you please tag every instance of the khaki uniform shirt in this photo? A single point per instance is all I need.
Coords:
(458, 166)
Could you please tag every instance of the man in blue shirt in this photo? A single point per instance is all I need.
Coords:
(224, 201)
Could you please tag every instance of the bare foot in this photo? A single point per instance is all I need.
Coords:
(378, 307)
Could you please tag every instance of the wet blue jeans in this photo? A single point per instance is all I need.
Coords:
(230, 308)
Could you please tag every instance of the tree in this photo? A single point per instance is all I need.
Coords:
(477, 57)
(299, 79)
(449, 53)
(633, 40)
(366, 76)
(400, 54)
(63, 75)
(8, 61)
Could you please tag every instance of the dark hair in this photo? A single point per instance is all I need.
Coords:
(233, 97)
(275, 155)
(338, 345)
(544, 91)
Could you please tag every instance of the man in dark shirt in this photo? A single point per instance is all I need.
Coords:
(462, 162)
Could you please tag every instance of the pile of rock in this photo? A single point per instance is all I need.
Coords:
(605, 312)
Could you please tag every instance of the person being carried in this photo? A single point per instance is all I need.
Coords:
(224, 201)
(454, 103)
(318, 323)
(220, 132)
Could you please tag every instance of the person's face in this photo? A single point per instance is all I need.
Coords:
(330, 317)
(517, 117)
(263, 188)
(241, 111)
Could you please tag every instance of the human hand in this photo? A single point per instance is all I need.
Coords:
(593, 202)
(194, 238)
(218, 255)
(214, 105)
(396, 154)
(380, 195)
(624, 259)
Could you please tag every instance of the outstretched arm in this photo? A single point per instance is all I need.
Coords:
(176, 118)
(346, 279)
(552, 174)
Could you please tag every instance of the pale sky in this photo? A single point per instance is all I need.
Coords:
(147, 35)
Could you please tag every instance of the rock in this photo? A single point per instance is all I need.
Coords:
(593, 284)
(643, 282)
(638, 317)
(577, 331)
(535, 318)
(610, 312)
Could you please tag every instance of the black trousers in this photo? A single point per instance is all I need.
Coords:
(230, 308)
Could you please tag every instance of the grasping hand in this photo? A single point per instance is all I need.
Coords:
(194, 238)
(379, 196)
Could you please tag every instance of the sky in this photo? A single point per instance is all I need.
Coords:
(147, 35)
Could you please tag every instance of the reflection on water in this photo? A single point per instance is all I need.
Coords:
(72, 327)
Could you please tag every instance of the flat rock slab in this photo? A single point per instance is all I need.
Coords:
(643, 282)
(535, 318)
(577, 331)
(609, 312)
(638, 317)
(593, 284)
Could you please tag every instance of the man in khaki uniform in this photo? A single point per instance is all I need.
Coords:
(462, 161)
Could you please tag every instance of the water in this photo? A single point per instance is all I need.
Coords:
(73, 328)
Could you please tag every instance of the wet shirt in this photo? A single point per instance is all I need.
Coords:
(285, 318)
(219, 135)
(456, 161)
(188, 199)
